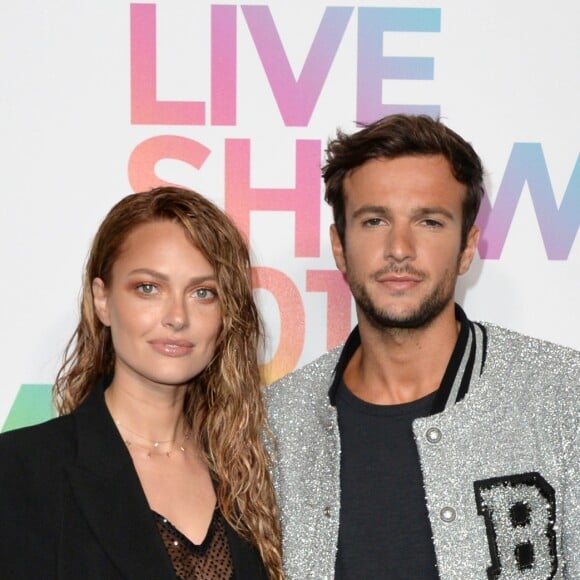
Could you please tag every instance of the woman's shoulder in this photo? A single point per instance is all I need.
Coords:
(48, 443)
(33, 465)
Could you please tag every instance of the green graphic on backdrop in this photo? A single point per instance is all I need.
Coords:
(33, 404)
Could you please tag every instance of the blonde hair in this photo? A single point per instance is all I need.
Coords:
(224, 401)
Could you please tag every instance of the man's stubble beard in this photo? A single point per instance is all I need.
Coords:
(429, 308)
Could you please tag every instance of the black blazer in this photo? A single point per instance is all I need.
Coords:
(72, 506)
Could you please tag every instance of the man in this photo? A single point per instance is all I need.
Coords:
(427, 446)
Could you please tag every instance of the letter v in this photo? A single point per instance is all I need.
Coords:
(296, 99)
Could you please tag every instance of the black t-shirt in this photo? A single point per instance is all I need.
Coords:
(384, 528)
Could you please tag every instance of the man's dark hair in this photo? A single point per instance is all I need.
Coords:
(395, 136)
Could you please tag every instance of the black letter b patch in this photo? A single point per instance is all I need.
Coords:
(519, 512)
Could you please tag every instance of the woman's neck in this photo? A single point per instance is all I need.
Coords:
(146, 413)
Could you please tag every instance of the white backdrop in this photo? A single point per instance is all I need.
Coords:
(237, 101)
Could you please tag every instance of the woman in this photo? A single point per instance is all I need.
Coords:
(155, 468)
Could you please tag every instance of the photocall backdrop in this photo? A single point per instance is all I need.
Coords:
(237, 101)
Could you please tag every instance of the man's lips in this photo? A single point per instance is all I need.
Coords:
(172, 346)
(399, 278)
(399, 282)
(391, 273)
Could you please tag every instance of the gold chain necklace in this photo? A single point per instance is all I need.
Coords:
(153, 447)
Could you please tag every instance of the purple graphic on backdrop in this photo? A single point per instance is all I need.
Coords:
(373, 67)
(296, 98)
(558, 226)
(295, 95)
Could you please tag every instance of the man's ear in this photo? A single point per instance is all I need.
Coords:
(337, 249)
(101, 301)
(469, 251)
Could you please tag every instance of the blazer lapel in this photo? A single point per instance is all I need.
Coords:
(106, 486)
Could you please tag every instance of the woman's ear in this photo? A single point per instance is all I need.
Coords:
(101, 301)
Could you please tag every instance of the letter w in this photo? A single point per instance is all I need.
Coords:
(558, 226)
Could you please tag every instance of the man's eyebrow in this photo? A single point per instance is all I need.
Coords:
(433, 210)
(370, 209)
(381, 210)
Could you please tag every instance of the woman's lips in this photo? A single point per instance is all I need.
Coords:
(172, 347)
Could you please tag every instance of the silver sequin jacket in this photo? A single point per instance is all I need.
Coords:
(500, 468)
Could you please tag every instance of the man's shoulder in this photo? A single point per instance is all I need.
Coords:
(535, 380)
(543, 363)
(312, 380)
(517, 344)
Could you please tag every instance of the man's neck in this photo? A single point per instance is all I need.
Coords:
(394, 366)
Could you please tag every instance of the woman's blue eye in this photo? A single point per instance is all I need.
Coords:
(147, 288)
(204, 293)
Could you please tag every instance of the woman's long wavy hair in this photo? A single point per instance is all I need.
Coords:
(223, 403)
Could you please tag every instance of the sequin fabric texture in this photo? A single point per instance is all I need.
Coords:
(504, 461)
(209, 560)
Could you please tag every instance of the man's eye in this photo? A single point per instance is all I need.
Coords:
(432, 223)
(373, 222)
